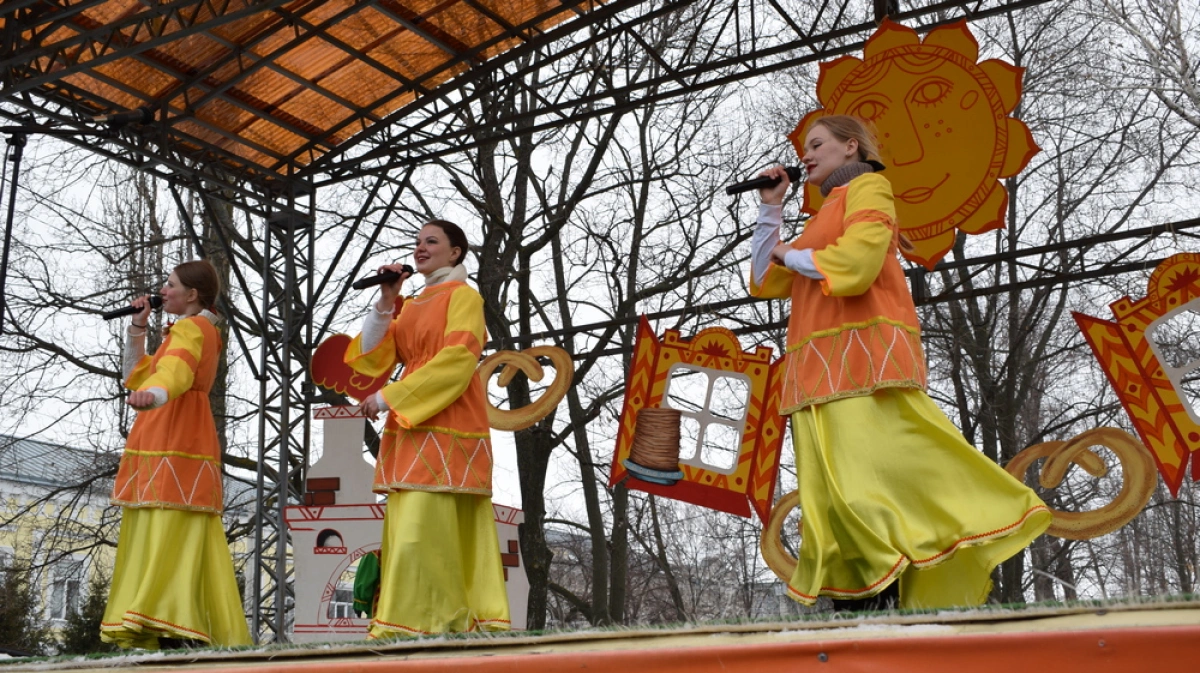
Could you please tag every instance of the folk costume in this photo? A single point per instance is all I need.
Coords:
(174, 575)
(889, 488)
(440, 558)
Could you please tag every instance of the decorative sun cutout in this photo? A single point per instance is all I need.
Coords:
(1186, 277)
(943, 127)
(715, 350)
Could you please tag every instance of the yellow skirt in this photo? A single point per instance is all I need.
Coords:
(173, 579)
(440, 566)
(890, 489)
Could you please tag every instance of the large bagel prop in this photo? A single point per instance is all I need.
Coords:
(526, 361)
(1137, 467)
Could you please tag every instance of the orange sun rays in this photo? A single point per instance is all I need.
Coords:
(943, 128)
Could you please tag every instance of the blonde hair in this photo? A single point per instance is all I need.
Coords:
(846, 128)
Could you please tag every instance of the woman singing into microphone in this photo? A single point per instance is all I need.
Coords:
(173, 577)
(891, 494)
(440, 560)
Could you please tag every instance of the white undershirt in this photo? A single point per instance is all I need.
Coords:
(766, 237)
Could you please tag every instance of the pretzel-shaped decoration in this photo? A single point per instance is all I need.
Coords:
(1137, 466)
(526, 361)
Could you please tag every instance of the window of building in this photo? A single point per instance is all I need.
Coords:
(342, 605)
(66, 586)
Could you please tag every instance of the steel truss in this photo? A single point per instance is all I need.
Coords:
(731, 40)
(272, 257)
(954, 275)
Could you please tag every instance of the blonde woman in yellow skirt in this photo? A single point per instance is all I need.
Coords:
(440, 568)
(174, 578)
(894, 501)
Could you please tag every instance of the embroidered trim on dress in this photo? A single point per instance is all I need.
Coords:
(931, 562)
(858, 392)
(169, 454)
(850, 326)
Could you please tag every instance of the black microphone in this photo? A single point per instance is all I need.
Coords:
(142, 115)
(155, 302)
(794, 174)
(380, 279)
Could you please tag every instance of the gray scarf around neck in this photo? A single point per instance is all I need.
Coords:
(844, 174)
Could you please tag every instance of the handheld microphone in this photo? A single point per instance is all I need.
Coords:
(154, 300)
(142, 115)
(794, 174)
(380, 279)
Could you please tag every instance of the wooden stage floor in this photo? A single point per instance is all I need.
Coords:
(1099, 638)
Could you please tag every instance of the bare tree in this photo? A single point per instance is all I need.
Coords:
(1160, 56)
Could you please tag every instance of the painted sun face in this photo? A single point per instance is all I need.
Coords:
(923, 133)
(942, 125)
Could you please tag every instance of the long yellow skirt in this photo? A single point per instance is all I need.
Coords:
(173, 579)
(440, 566)
(890, 489)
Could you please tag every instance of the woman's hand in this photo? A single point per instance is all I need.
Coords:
(370, 407)
(389, 291)
(140, 399)
(779, 253)
(774, 195)
(143, 304)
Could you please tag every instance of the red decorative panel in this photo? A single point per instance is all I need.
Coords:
(751, 482)
(1140, 379)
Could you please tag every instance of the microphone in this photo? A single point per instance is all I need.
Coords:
(142, 115)
(155, 302)
(794, 174)
(380, 279)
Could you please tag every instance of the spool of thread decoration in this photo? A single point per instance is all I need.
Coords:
(654, 455)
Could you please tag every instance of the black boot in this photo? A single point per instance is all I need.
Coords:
(888, 599)
(180, 643)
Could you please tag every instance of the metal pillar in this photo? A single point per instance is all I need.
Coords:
(284, 395)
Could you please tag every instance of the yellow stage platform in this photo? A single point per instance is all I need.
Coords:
(1116, 638)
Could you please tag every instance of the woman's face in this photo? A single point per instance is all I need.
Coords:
(434, 250)
(178, 299)
(824, 153)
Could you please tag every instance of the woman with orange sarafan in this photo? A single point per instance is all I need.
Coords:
(174, 577)
(440, 568)
(889, 488)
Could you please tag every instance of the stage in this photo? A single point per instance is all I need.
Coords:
(1100, 638)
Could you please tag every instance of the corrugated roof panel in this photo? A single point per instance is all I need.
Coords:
(149, 81)
(319, 110)
(118, 98)
(50, 464)
(367, 55)
(190, 54)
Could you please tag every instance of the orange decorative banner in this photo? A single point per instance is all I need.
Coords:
(1145, 355)
(943, 128)
(729, 451)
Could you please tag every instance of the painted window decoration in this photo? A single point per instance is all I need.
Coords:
(713, 405)
(1175, 338)
(329, 541)
(730, 428)
(1150, 353)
